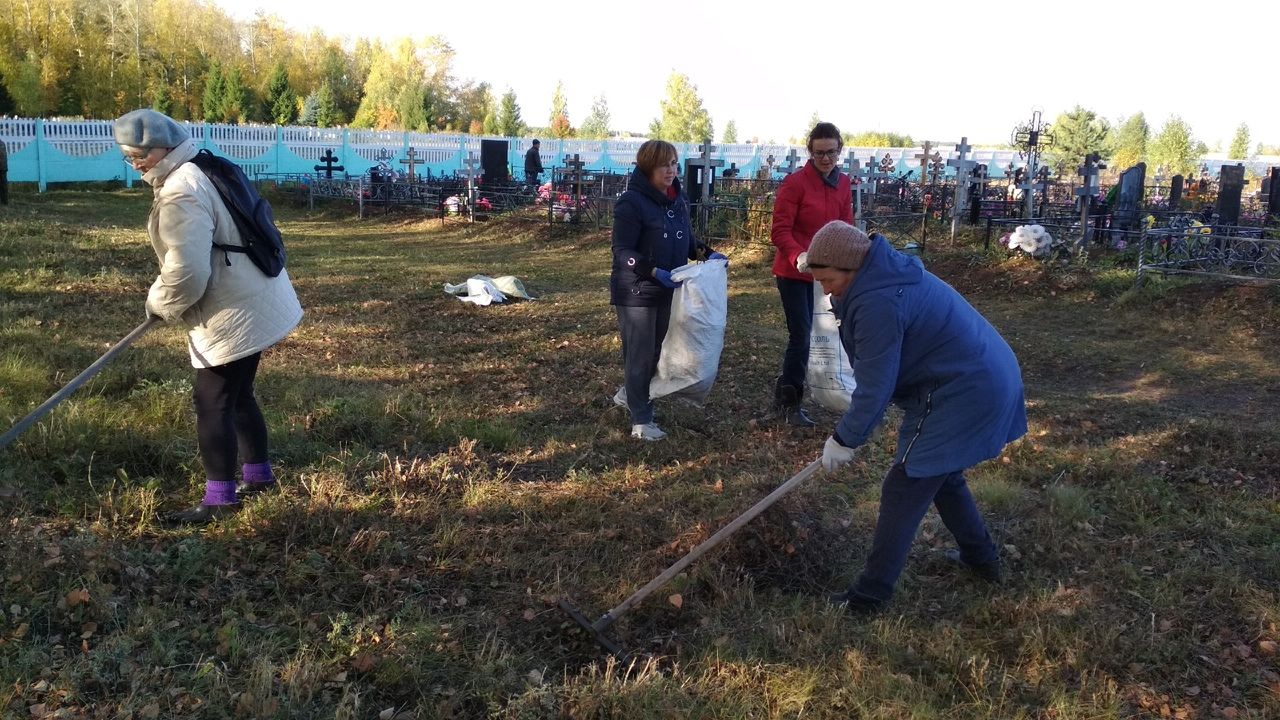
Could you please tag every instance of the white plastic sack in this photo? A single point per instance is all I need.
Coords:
(829, 375)
(690, 356)
(483, 290)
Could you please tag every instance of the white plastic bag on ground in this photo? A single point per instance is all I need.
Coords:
(829, 375)
(690, 356)
(483, 290)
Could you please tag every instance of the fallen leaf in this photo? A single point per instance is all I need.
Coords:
(150, 712)
(1165, 626)
(37, 711)
(676, 600)
(718, 487)
(77, 597)
(387, 714)
(535, 677)
(87, 630)
(364, 663)
(530, 614)
(1267, 648)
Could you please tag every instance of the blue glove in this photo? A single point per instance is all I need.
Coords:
(664, 277)
(718, 256)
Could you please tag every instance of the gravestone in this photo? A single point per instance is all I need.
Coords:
(977, 182)
(329, 164)
(1273, 193)
(700, 174)
(963, 167)
(790, 167)
(853, 168)
(573, 166)
(1085, 194)
(925, 158)
(886, 165)
(411, 159)
(1128, 196)
(1175, 191)
(1230, 186)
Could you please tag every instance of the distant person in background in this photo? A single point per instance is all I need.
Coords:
(232, 310)
(807, 199)
(652, 235)
(533, 164)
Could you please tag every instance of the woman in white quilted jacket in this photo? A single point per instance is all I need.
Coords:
(232, 310)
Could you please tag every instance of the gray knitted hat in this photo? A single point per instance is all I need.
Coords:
(839, 245)
(148, 129)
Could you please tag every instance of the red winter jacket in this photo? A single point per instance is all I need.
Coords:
(805, 203)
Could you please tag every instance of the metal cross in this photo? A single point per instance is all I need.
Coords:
(329, 160)
(886, 165)
(411, 159)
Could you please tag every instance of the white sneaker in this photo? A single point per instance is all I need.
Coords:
(620, 397)
(648, 431)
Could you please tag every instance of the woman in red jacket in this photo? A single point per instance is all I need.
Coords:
(808, 199)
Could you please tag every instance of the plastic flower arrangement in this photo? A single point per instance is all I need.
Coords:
(1031, 239)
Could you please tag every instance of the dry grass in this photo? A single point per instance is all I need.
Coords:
(449, 470)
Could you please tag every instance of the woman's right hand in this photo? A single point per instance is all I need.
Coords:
(664, 278)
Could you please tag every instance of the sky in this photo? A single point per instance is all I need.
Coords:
(932, 70)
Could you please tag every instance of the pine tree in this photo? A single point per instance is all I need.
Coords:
(280, 100)
(596, 126)
(730, 133)
(235, 97)
(162, 102)
(328, 113)
(1131, 142)
(1240, 143)
(1076, 134)
(213, 93)
(1174, 149)
(310, 108)
(683, 119)
(509, 123)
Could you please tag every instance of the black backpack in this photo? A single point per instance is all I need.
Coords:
(252, 214)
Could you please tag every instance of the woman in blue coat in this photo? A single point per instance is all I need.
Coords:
(915, 341)
(652, 236)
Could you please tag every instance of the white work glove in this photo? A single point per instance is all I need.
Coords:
(835, 455)
(802, 262)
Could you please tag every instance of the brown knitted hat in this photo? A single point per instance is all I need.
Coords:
(839, 245)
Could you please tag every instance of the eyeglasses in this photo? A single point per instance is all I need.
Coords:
(135, 159)
(828, 154)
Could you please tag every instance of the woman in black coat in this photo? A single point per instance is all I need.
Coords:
(652, 235)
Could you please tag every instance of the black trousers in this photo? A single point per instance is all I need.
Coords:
(229, 424)
(643, 330)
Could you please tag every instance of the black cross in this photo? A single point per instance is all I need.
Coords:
(329, 159)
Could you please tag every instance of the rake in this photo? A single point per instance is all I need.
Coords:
(598, 628)
(76, 382)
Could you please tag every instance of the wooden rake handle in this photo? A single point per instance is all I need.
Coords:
(721, 535)
(76, 382)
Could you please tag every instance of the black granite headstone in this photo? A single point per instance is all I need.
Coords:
(1273, 193)
(1129, 196)
(1230, 187)
(1175, 192)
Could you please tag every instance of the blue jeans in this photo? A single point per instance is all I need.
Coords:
(903, 503)
(643, 330)
(797, 306)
